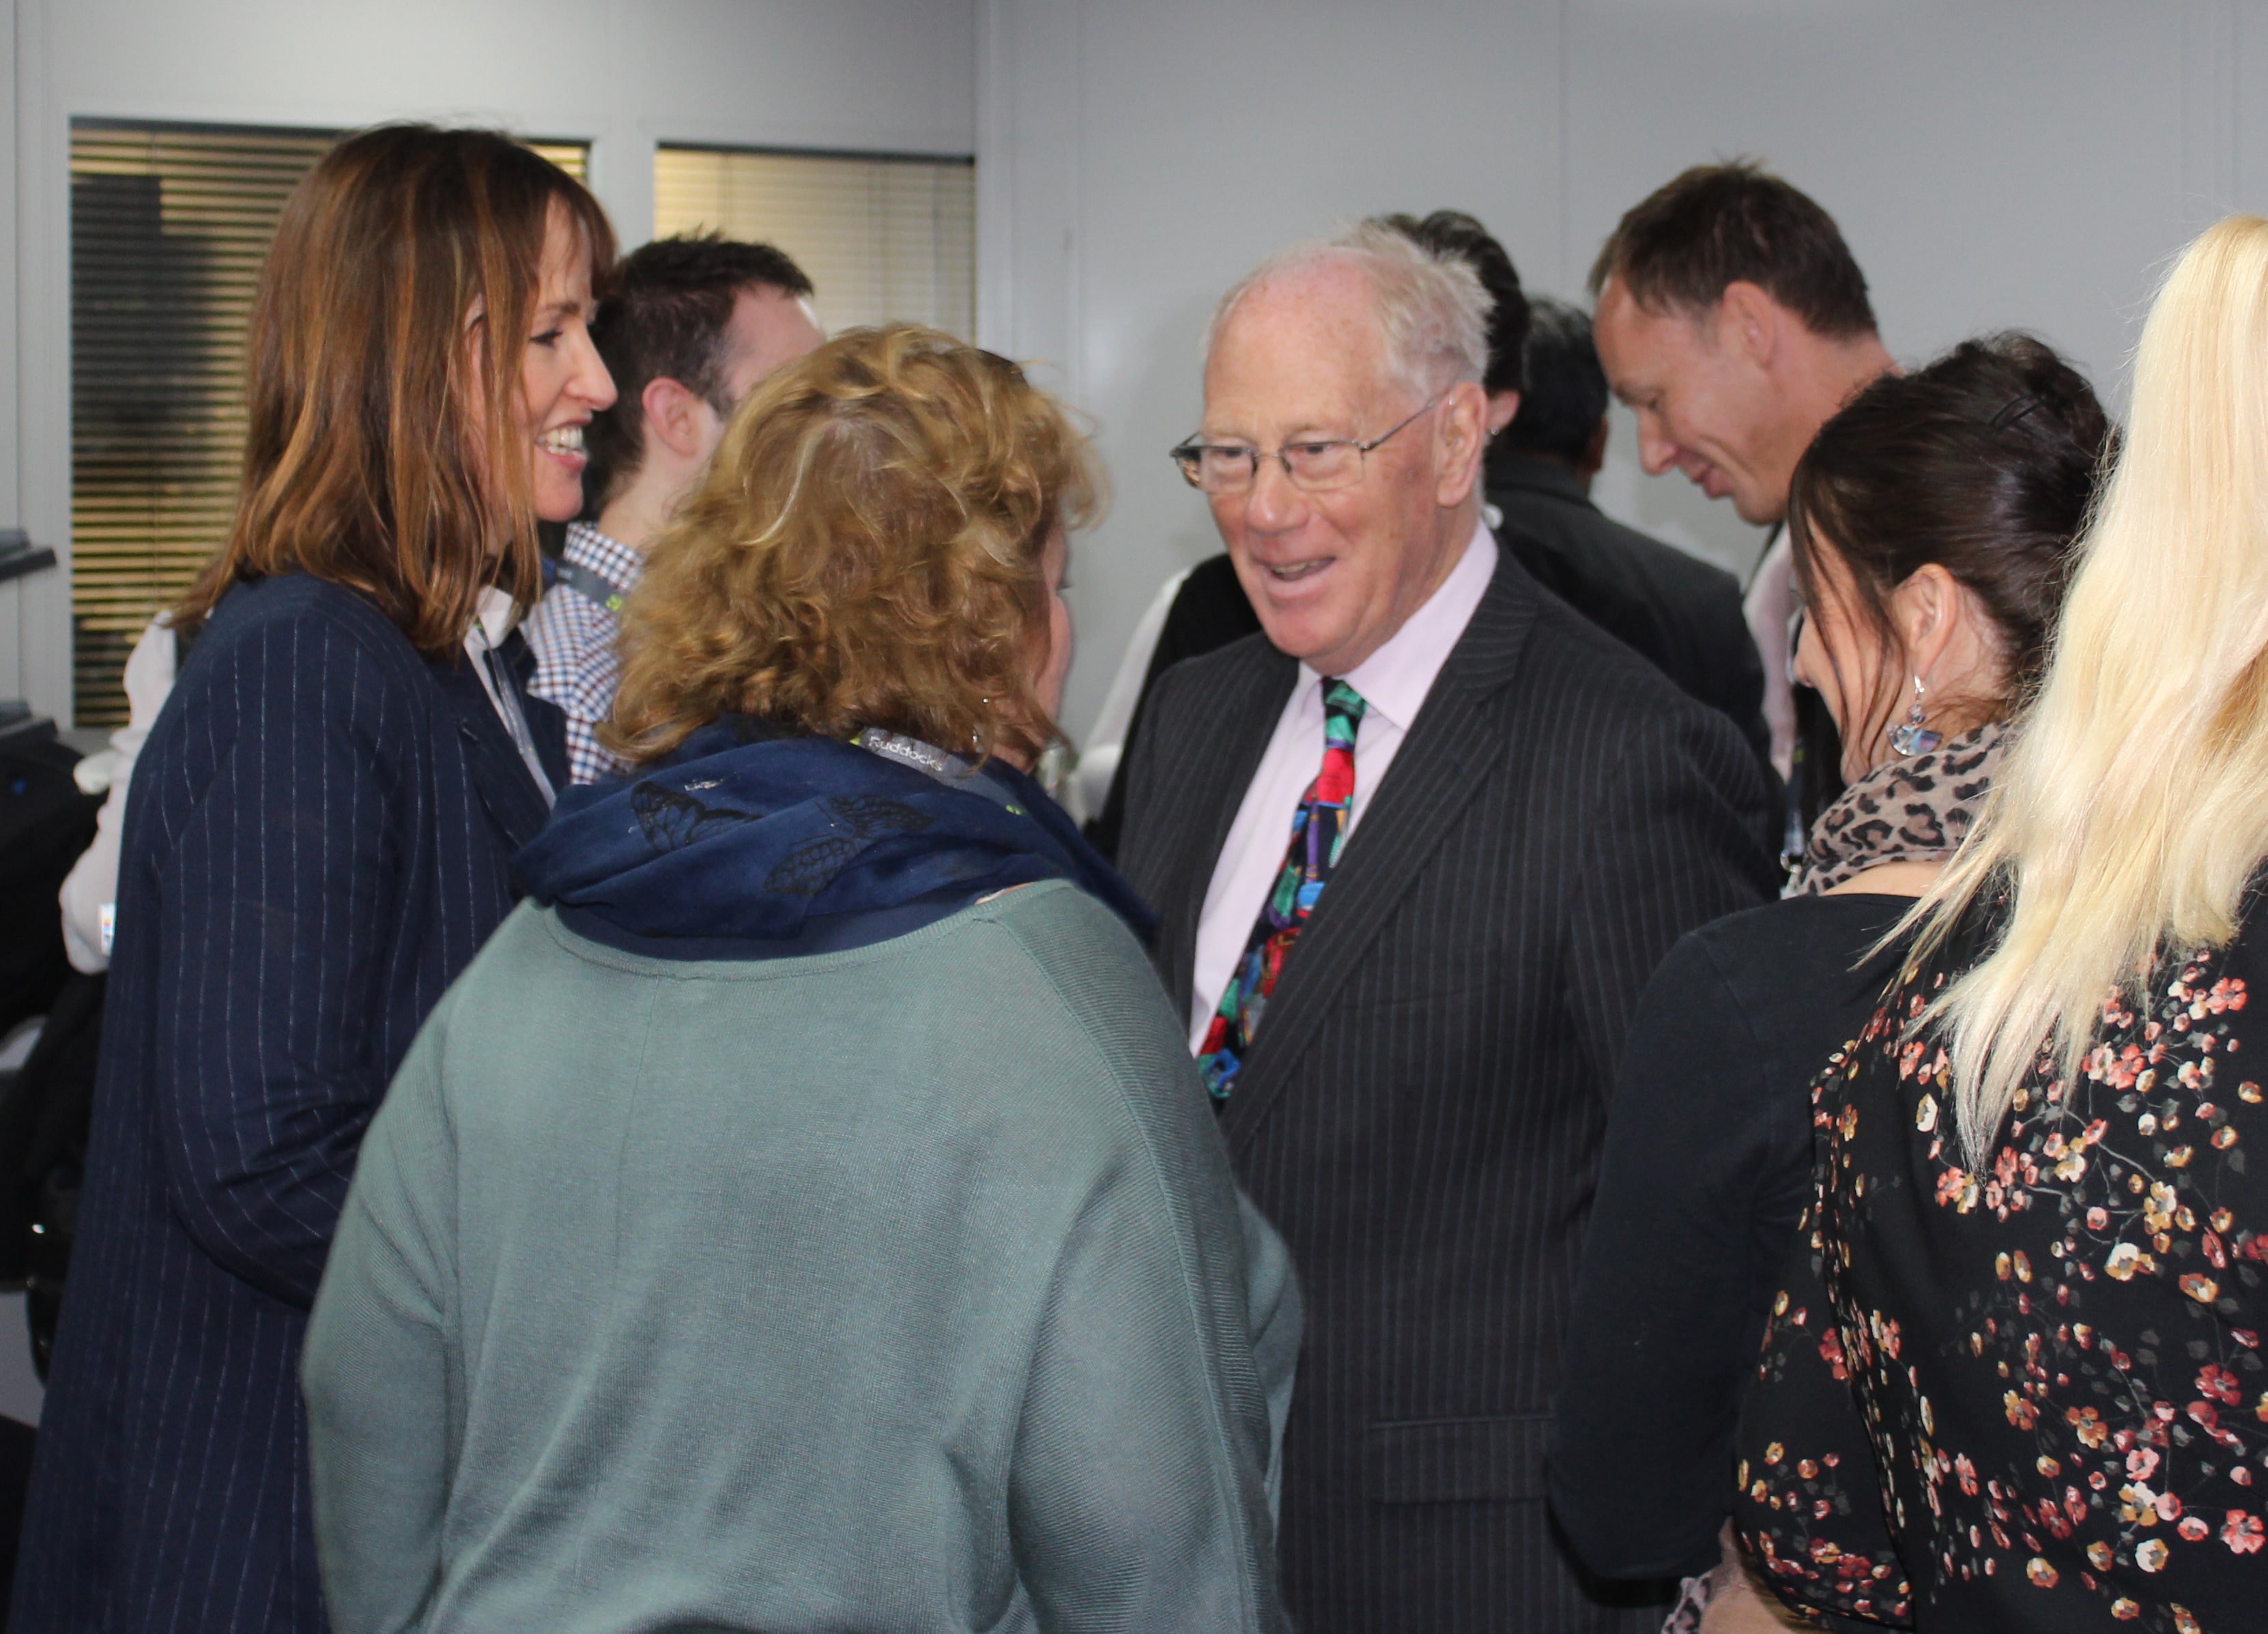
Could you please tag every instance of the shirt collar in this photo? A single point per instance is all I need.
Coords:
(1395, 679)
(609, 558)
(496, 613)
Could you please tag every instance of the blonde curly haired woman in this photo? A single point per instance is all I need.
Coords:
(2042, 1243)
(805, 1214)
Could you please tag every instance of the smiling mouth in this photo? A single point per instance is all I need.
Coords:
(566, 440)
(1291, 572)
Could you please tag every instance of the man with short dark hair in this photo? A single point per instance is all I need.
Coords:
(691, 327)
(1678, 611)
(1734, 320)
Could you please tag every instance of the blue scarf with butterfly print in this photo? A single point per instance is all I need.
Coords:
(752, 842)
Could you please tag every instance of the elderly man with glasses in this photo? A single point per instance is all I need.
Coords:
(1417, 847)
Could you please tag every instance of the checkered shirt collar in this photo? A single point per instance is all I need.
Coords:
(609, 558)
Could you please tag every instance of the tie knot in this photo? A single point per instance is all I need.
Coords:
(1341, 704)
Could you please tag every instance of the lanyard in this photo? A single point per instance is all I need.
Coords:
(496, 681)
(591, 584)
(931, 760)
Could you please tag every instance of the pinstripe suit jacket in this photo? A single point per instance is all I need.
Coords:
(318, 839)
(1422, 1113)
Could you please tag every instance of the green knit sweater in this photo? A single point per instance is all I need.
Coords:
(899, 1289)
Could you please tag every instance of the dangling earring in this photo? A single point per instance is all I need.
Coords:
(1910, 737)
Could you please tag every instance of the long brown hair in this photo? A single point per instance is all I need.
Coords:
(364, 458)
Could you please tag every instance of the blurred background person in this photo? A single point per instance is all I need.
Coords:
(1932, 524)
(316, 843)
(687, 328)
(2040, 1233)
(1734, 320)
(1414, 853)
(813, 1197)
(1675, 610)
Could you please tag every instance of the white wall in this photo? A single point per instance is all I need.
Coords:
(1993, 163)
(878, 75)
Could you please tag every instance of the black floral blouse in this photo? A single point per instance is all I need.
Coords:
(2062, 1411)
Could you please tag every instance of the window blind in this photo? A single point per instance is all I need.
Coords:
(882, 236)
(170, 225)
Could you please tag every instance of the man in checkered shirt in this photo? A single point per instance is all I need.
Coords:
(693, 324)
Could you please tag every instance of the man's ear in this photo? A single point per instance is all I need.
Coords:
(1461, 438)
(1747, 318)
(674, 415)
(1502, 407)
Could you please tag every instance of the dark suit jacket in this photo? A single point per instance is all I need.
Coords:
(1674, 609)
(318, 839)
(1422, 1113)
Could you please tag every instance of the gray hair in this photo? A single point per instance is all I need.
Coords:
(1433, 311)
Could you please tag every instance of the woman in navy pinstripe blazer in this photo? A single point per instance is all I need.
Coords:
(318, 840)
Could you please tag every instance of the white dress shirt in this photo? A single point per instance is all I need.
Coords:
(1769, 602)
(1393, 682)
(90, 891)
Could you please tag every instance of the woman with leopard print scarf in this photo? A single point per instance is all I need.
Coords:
(1932, 522)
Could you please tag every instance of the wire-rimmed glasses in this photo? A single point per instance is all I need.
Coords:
(1314, 466)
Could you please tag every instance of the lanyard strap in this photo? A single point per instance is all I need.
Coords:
(496, 681)
(933, 762)
(591, 584)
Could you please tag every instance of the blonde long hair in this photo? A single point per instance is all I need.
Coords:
(2133, 806)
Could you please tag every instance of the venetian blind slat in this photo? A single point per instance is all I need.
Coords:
(170, 227)
(883, 239)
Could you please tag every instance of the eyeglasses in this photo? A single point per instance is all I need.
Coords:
(1312, 468)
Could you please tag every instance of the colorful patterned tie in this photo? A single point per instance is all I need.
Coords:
(1318, 835)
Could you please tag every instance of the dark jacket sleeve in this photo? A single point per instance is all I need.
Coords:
(275, 922)
(1672, 842)
(1670, 1308)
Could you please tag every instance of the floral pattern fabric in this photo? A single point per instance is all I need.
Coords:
(2056, 1354)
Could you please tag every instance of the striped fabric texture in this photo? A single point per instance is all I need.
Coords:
(317, 841)
(1422, 1113)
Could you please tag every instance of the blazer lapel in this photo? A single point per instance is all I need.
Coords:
(546, 722)
(1456, 740)
(1249, 704)
(499, 776)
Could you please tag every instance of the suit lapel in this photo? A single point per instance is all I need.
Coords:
(499, 776)
(546, 722)
(1249, 704)
(1456, 740)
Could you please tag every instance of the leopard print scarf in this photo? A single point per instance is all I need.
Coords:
(1914, 810)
